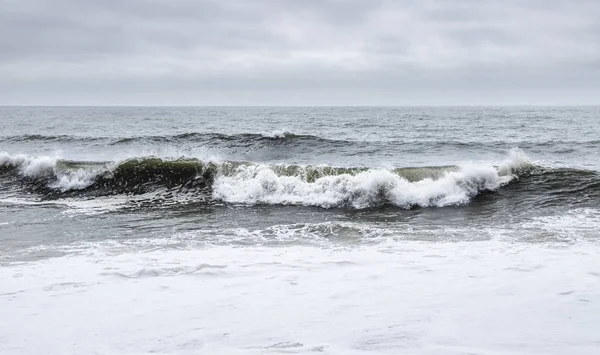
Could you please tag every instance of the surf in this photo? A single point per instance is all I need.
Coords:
(251, 183)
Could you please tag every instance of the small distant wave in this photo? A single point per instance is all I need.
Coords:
(280, 137)
(244, 140)
(241, 144)
(50, 138)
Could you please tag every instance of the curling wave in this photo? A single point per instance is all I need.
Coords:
(279, 184)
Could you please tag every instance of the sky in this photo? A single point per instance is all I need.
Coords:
(299, 52)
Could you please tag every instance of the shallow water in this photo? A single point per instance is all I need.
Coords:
(300, 230)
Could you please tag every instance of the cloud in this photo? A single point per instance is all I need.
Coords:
(298, 52)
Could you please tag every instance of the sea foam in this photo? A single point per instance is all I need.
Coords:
(256, 183)
(260, 184)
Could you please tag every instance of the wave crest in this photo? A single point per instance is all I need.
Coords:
(369, 188)
(250, 183)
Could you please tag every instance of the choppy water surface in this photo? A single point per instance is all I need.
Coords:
(277, 230)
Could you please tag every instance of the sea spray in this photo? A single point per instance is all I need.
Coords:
(260, 184)
(274, 184)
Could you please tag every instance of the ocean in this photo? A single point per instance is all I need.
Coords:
(278, 230)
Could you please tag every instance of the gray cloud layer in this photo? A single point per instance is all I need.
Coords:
(299, 52)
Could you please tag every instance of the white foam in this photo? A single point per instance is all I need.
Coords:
(260, 183)
(401, 298)
(76, 179)
(573, 225)
(98, 205)
(279, 133)
(516, 160)
(30, 166)
(253, 184)
(47, 167)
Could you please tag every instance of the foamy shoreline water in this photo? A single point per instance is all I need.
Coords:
(465, 230)
(401, 298)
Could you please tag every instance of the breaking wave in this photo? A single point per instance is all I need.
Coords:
(279, 184)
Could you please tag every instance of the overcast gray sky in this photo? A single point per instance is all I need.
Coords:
(299, 52)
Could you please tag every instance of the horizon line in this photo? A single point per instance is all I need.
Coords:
(307, 106)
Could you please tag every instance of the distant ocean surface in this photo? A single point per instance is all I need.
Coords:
(332, 230)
